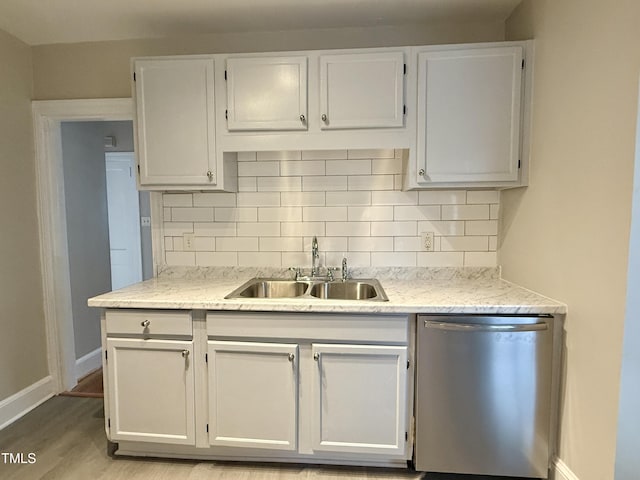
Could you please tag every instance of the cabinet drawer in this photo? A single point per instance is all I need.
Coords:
(148, 322)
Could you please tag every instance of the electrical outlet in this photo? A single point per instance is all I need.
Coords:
(427, 241)
(188, 242)
(145, 221)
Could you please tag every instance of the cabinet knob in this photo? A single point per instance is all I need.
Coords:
(324, 117)
(145, 323)
(316, 356)
(421, 172)
(210, 175)
(302, 118)
(185, 353)
(291, 357)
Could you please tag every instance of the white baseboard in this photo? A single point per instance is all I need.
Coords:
(88, 363)
(17, 405)
(562, 472)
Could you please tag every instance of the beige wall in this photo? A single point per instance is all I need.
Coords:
(567, 234)
(101, 69)
(23, 356)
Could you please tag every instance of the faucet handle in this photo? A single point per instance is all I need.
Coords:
(296, 270)
(344, 269)
(330, 271)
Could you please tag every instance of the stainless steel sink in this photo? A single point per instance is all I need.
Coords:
(349, 290)
(369, 289)
(270, 288)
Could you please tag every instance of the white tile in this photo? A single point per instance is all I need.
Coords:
(483, 196)
(176, 229)
(481, 227)
(237, 244)
(279, 184)
(214, 199)
(437, 244)
(480, 259)
(374, 153)
(216, 259)
(440, 259)
(348, 198)
(215, 229)
(178, 244)
(416, 212)
(258, 229)
(350, 229)
(406, 244)
(323, 183)
(370, 182)
(302, 199)
(354, 259)
(493, 244)
(238, 214)
(247, 156)
(258, 169)
(365, 214)
(328, 244)
(398, 182)
(177, 199)
(465, 244)
(393, 259)
(300, 168)
(280, 214)
(204, 244)
(296, 259)
(324, 214)
(494, 212)
(247, 184)
(193, 214)
(386, 166)
(301, 229)
(448, 227)
(324, 154)
(181, 258)
(281, 244)
(348, 167)
(258, 199)
(280, 155)
(465, 212)
(394, 198)
(445, 197)
(394, 229)
(259, 259)
(370, 244)
(168, 244)
(166, 214)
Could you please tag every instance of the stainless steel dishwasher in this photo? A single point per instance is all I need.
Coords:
(483, 395)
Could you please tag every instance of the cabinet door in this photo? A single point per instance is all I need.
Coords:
(175, 121)
(361, 90)
(253, 394)
(151, 390)
(268, 93)
(469, 114)
(360, 399)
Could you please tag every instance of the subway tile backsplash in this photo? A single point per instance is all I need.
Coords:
(351, 200)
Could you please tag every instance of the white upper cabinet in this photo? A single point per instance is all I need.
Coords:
(469, 115)
(267, 93)
(175, 122)
(362, 90)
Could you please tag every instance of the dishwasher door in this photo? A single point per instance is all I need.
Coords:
(483, 395)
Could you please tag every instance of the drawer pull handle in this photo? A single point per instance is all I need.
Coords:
(185, 353)
(291, 357)
(145, 323)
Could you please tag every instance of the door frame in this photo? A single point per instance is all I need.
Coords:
(52, 222)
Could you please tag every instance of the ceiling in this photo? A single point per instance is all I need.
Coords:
(38, 22)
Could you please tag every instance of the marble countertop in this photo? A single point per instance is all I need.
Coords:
(464, 291)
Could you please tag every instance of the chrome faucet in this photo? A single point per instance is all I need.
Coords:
(344, 269)
(314, 257)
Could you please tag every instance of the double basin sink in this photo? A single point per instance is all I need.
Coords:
(363, 289)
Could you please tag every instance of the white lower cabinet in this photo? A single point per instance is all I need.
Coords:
(253, 394)
(360, 398)
(151, 390)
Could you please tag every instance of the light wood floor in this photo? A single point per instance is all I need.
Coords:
(67, 436)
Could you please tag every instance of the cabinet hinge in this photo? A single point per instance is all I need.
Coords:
(207, 428)
(225, 74)
(404, 109)
(523, 64)
(226, 114)
(106, 357)
(134, 76)
(109, 422)
(407, 364)
(519, 163)
(138, 169)
(206, 358)
(406, 436)
(405, 69)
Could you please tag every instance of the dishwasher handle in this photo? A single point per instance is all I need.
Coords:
(477, 327)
